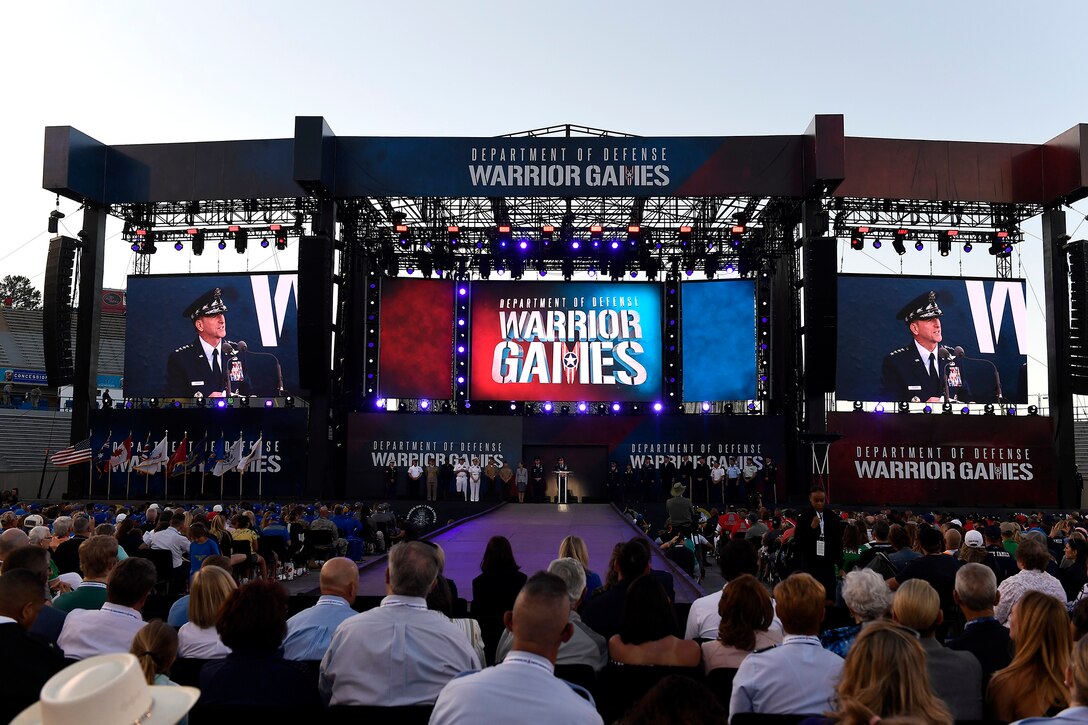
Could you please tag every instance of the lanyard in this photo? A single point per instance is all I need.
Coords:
(527, 661)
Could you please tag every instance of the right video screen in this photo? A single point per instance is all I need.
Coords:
(928, 339)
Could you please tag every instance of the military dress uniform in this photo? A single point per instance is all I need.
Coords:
(907, 377)
(188, 373)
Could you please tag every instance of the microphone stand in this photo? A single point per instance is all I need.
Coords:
(997, 375)
(279, 371)
(943, 354)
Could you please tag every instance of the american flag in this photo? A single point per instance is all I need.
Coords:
(75, 453)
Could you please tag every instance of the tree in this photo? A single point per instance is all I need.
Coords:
(17, 292)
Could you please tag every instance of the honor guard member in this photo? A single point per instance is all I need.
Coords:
(210, 366)
(916, 373)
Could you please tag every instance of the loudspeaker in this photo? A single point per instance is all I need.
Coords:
(1078, 316)
(314, 311)
(821, 314)
(57, 311)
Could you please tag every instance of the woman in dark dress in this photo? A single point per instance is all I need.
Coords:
(494, 591)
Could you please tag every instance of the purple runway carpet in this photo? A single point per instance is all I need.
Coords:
(534, 531)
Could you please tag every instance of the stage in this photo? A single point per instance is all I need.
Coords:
(535, 532)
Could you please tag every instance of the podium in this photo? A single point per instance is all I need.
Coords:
(561, 485)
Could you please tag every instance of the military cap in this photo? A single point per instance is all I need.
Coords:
(209, 303)
(922, 307)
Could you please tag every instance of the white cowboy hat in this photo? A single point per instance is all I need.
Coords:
(107, 689)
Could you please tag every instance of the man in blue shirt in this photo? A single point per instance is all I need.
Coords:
(310, 631)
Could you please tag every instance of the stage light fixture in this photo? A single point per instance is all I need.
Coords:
(898, 241)
(546, 234)
(657, 407)
(685, 235)
(878, 408)
(857, 406)
(547, 407)
(454, 233)
(967, 246)
(857, 239)
(752, 407)
(944, 244)
(178, 246)
(54, 220)
(197, 238)
(135, 246)
(705, 407)
(1010, 410)
(602, 408)
(965, 410)
(424, 404)
(403, 234)
(989, 409)
(485, 267)
(264, 242)
(736, 234)
(565, 410)
(289, 402)
(221, 403)
(1033, 410)
(279, 236)
(595, 233)
(729, 409)
(904, 407)
(616, 407)
(241, 239)
(270, 403)
(1000, 246)
(919, 246)
(446, 407)
(928, 409)
(154, 402)
(877, 244)
(946, 407)
(513, 406)
(243, 401)
(222, 244)
(582, 407)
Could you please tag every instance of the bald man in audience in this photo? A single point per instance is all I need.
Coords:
(28, 661)
(399, 653)
(11, 540)
(310, 631)
(585, 647)
(523, 688)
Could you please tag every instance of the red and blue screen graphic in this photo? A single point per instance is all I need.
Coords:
(566, 341)
(416, 345)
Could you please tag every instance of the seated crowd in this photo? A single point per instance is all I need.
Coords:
(929, 621)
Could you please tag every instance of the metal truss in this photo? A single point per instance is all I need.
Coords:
(851, 212)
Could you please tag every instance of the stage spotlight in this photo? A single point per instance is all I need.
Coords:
(710, 267)
(752, 407)
(154, 402)
(898, 242)
(1033, 410)
(857, 406)
(729, 408)
(657, 407)
(135, 246)
(944, 244)
(279, 235)
(454, 233)
(264, 242)
(857, 239)
(485, 267)
(403, 234)
(424, 404)
(289, 402)
(705, 407)
(198, 241)
(503, 235)
(547, 407)
(736, 234)
(54, 219)
(201, 401)
(967, 247)
(904, 407)
(633, 232)
(244, 400)
(446, 407)
(616, 407)
(582, 407)
(919, 246)
(1000, 246)
(220, 403)
(270, 403)
(513, 406)
(222, 244)
(176, 404)
(877, 244)
(946, 407)
(989, 409)
(565, 410)
(685, 235)
(178, 246)
(879, 408)
(965, 410)
(602, 408)
(928, 409)
(546, 234)
(1010, 410)
(595, 233)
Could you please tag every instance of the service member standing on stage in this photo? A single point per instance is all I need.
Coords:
(432, 481)
(521, 479)
(390, 481)
(491, 475)
(687, 471)
(916, 373)
(732, 481)
(211, 366)
(613, 481)
(460, 469)
(701, 479)
(536, 480)
(560, 465)
(717, 476)
(474, 472)
(415, 475)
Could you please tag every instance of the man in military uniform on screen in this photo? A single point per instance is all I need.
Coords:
(917, 372)
(211, 366)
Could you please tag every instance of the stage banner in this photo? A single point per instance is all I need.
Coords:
(173, 323)
(377, 441)
(566, 341)
(415, 354)
(121, 439)
(942, 460)
(976, 330)
(719, 340)
(562, 166)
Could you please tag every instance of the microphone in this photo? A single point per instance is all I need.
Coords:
(997, 375)
(243, 347)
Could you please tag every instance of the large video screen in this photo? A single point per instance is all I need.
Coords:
(415, 355)
(189, 336)
(719, 340)
(592, 341)
(974, 329)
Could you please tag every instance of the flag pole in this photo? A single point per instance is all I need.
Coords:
(41, 481)
(166, 474)
(128, 473)
(185, 470)
(203, 463)
(109, 468)
(241, 469)
(260, 469)
(90, 463)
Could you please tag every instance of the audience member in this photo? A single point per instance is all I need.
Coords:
(179, 610)
(798, 677)
(11, 540)
(310, 631)
(110, 629)
(648, 629)
(156, 647)
(35, 559)
(746, 616)
(1076, 678)
(884, 677)
(495, 589)
(97, 558)
(956, 677)
(66, 555)
(868, 599)
(998, 557)
(983, 636)
(1033, 685)
(1073, 574)
(339, 545)
(902, 551)
(676, 699)
(574, 547)
(399, 653)
(441, 599)
(1032, 558)
(29, 663)
(1078, 619)
(252, 623)
(879, 545)
(603, 612)
(524, 683)
(200, 547)
(198, 638)
(736, 558)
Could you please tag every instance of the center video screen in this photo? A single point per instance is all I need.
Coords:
(211, 335)
(922, 339)
(591, 341)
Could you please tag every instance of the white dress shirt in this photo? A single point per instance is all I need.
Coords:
(523, 688)
(90, 632)
(200, 643)
(704, 620)
(400, 653)
(172, 540)
(796, 678)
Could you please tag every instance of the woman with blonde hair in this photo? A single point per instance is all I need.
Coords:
(885, 677)
(198, 639)
(1033, 685)
(156, 647)
(1076, 678)
(573, 547)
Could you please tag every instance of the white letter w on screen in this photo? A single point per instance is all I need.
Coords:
(272, 308)
(988, 317)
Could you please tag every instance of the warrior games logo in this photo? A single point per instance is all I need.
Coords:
(569, 341)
